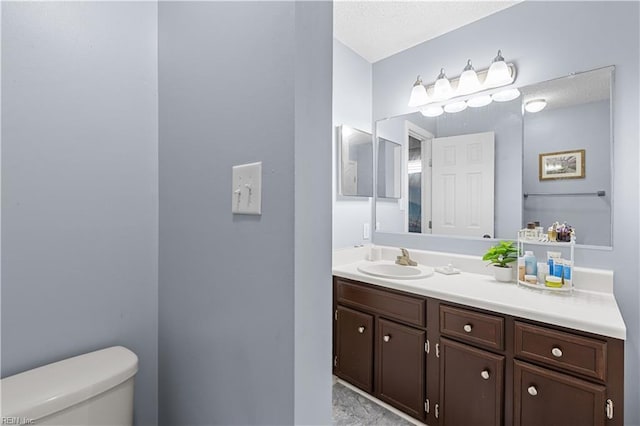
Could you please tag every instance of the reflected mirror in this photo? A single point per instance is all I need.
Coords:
(355, 159)
(389, 169)
(488, 171)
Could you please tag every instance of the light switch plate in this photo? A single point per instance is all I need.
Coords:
(246, 191)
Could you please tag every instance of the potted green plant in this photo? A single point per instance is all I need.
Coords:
(500, 256)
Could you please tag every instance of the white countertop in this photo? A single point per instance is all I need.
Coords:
(585, 310)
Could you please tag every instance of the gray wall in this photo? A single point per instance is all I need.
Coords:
(553, 40)
(79, 185)
(231, 287)
(313, 287)
(351, 106)
(585, 127)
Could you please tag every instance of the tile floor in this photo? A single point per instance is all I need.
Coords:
(352, 409)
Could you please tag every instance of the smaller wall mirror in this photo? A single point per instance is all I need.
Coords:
(355, 159)
(389, 169)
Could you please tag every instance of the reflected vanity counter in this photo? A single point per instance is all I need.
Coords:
(591, 308)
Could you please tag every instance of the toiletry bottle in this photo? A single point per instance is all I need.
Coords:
(521, 268)
(551, 257)
(539, 229)
(557, 267)
(530, 263)
(567, 272)
(542, 272)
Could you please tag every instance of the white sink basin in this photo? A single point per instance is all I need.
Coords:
(388, 269)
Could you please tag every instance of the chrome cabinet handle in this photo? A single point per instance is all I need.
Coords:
(485, 374)
(386, 338)
(532, 391)
(361, 329)
(467, 328)
(557, 352)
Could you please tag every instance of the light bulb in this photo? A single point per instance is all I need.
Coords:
(468, 81)
(432, 111)
(418, 94)
(535, 105)
(479, 101)
(506, 95)
(442, 87)
(499, 73)
(455, 107)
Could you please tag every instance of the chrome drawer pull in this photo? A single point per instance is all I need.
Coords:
(532, 391)
(467, 328)
(485, 374)
(557, 352)
(386, 338)
(361, 329)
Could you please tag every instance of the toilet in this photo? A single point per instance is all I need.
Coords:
(91, 389)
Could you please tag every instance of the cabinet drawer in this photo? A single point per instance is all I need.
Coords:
(579, 354)
(392, 305)
(473, 327)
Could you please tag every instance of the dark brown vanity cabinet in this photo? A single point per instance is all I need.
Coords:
(566, 378)
(400, 351)
(451, 365)
(471, 377)
(379, 343)
(546, 397)
(353, 358)
(471, 385)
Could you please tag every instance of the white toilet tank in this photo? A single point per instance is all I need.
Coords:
(90, 389)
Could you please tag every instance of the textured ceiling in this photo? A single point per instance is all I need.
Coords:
(380, 28)
(581, 88)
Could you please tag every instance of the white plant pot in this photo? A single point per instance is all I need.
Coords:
(503, 274)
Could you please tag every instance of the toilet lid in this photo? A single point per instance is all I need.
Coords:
(54, 387)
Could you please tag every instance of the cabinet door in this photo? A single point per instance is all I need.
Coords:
(401, 366)
(471, 385)
(544, 397)
(354, 348)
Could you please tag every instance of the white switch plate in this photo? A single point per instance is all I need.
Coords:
(246, 191)
(365, 231)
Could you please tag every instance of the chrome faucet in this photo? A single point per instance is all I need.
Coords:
(405, 260)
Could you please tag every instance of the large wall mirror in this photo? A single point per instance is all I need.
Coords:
(486, 172)
(355, 159)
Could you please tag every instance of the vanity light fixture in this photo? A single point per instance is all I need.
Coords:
(468, 82)
(442, 87)
(535, 105)
(499, 73)
(455, 107)
(479, 101)
(418, 94)
(432, 111)
(506, 95)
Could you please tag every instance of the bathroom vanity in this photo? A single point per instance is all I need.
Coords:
(465, 350)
